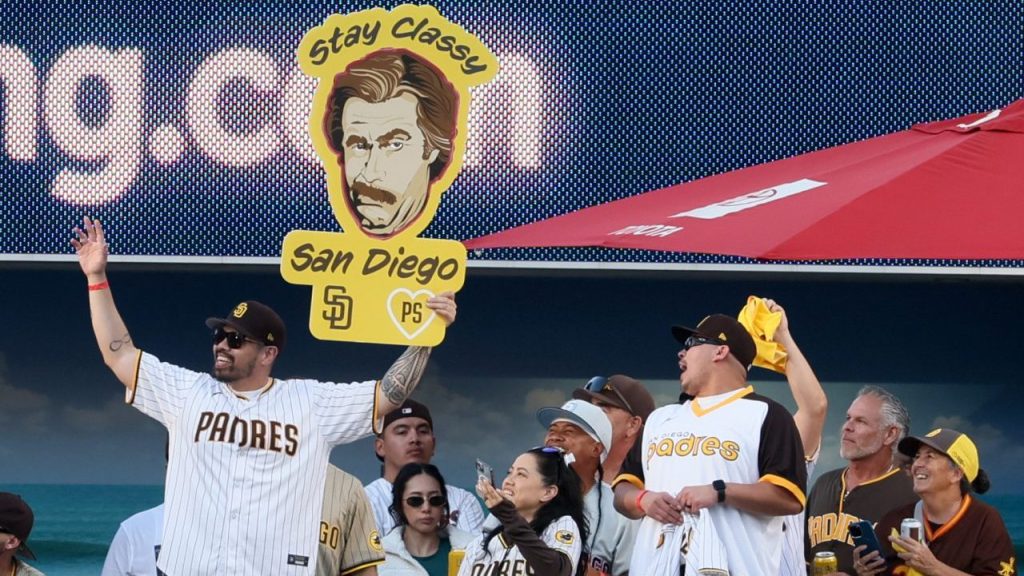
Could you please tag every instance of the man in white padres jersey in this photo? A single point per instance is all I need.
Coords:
(248, 454)
(723, 448)
(407, 437)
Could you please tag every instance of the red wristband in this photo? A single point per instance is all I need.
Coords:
(640, 497)
(99, 286)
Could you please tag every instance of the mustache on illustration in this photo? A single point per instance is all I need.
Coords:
(363, 189)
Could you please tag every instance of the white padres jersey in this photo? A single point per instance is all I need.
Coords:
(245, 478)
(503, 557)
(794, 562)
(738, 437)
(135, 547)
(465, 511)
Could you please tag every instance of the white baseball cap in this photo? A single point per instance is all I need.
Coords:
(588, 417)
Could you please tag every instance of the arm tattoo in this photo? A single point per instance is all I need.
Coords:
(116, 345)
(405, 374)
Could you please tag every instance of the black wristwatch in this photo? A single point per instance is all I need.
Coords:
(719, 486)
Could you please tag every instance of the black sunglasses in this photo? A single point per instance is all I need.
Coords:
(235, 339)
(600, 384)
(435, 501)
(698, 340)
(553, 451)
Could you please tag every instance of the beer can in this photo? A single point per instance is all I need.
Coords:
(911, 528)
(824, 563)
(455, 561)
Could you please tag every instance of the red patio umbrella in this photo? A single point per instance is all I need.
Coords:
(943, 190)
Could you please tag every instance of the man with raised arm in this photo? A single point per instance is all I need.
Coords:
(811, 408)
(725, 458)
(248, 452)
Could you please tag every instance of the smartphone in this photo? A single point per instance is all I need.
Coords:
(864, 534)
(484, 471)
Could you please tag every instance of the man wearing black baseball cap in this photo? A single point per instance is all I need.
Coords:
(16, 520)
(248, 452)
(407, 437)
(722, 450)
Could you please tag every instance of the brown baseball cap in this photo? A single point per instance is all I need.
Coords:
(726, 330)
(254, 320)
(957, 445)
(620, 391)
(16, 518)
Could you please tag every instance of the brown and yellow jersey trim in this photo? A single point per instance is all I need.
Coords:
(698, 410)
(842, 484)
(129, 391)
(787, 486)
(948, 525)
(363, 566)
(635, 481)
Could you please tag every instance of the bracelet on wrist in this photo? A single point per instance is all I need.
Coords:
(640, 497)
(99, 286)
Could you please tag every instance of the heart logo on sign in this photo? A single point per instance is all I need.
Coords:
(411, 311)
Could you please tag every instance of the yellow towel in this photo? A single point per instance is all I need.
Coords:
(898, 548)
(762, 324)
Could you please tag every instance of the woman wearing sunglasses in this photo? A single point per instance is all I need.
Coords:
(542, 529)
(421, 540)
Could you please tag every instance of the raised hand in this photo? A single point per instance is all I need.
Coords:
(492, 497)
(444, 306)
(91, 246)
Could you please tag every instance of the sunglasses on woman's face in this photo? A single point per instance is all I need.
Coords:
(435, 501)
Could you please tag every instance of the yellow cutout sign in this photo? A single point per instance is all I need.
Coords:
(390, 120)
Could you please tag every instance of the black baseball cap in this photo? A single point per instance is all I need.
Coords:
(409, 409)
(726, 330)
(17, 518)
(254, 320)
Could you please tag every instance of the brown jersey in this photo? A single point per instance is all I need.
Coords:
(831, 510)
(974, 541)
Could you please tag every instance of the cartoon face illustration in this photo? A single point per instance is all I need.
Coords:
(391, 119)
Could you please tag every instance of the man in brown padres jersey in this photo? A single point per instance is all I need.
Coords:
(870, 485)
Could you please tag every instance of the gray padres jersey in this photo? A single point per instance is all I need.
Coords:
(349, 540)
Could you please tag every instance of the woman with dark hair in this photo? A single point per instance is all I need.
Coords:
(542, 528)
(420, 543)
(959, 534)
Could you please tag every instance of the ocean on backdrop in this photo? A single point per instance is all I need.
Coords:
(75, 523)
